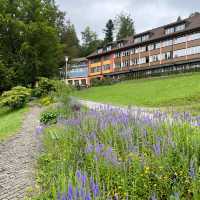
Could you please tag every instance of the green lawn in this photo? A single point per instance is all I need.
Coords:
(176, 90)
(10, 122)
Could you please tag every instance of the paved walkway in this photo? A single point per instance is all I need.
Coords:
(18, 157)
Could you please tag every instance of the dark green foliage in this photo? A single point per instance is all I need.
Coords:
(70, 41)
(124, 26)
(44, 86)
(105, 81)
(6, 76)
(30, 42)
(90, 41)
(48, 118)
(109, 32)
(15, 98)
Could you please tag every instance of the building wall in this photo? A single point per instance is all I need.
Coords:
(168, 51)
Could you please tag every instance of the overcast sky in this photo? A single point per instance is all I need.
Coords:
(147, 14)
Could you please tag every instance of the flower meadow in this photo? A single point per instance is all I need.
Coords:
(117, 155)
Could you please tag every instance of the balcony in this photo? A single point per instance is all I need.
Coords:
(77, 73)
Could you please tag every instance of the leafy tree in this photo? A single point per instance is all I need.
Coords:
(109, 31)
(124, 26)
(29, 39)
(90, 41)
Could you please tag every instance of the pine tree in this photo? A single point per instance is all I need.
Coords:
(109, 32)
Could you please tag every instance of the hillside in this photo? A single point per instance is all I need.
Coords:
(176, 90)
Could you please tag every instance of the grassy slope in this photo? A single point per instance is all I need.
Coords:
(164, 91)
(10, 122)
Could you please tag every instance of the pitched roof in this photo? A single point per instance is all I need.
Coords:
(192, 23)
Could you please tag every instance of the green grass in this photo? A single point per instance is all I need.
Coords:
(10, 122)
(176, 90)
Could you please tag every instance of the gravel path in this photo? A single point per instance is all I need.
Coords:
(18, 157)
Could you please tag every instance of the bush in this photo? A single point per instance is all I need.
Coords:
(44, 87)
(46, 101)
(105, 81)
(48, 117)
(61, 91)
(15, 98)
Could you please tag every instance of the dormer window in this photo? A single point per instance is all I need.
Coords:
(108, 48)
(145, 37)
(169, 30)
(100, 50)
(142, 38)
(120, 44)
(180, 27)
(174, 29)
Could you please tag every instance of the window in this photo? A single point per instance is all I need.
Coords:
(167, 43)
(175, 29)
(142, 60)
(125, 53)
(95, 69)
(180, 40)
(180, 27)
(193, 50)
(145, 37)
(120, 45)
(108, 48)
(118, 54)
(158, 45)
(134, 61)
(194, 36)
(137, 40)
(179, 53)
(132, 51)
(100, 50)
(151, 47)
(140, 49)
(125, 63)
(105, 67)
(169, 30)
(154, 58)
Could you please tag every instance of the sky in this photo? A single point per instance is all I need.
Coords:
(147, 14)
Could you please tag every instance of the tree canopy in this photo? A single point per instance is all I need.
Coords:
(124, 26)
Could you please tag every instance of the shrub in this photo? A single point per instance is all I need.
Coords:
(48, 117)
(44, 87)
(105, 81)
(61, 91)
(46, 101)
(16, 98)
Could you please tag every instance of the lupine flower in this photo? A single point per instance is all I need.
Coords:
(70, 192)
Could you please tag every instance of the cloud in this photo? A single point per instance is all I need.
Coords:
(147, 14)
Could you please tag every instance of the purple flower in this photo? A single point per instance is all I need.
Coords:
(88, 197)
(78, 174)
(64, 196)
(39, 129)
(83, 179)
(70, 192)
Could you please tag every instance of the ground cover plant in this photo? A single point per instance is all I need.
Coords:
(174, 90)
(113, 154)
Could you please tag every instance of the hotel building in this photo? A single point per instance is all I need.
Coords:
(172, 48)
(77, 72)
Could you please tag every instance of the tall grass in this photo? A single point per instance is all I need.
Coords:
(118, 155)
